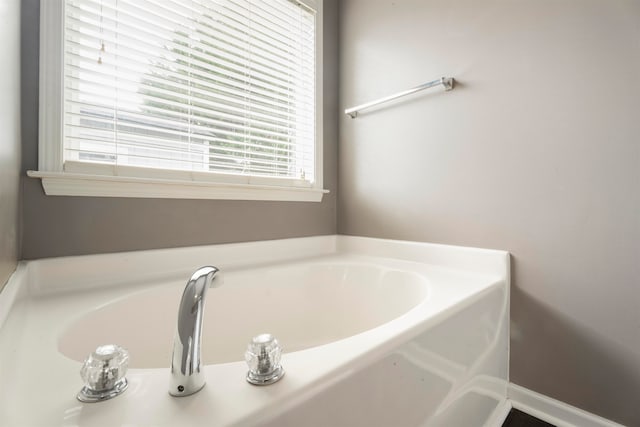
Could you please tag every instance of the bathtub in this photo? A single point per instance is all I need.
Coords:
(375, 333)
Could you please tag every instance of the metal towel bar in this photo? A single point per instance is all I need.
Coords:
(447, 82)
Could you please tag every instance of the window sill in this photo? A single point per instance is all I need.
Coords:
(74, 184)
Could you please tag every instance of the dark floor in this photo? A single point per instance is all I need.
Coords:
(520, 419)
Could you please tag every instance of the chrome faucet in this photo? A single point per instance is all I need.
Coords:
(186, 373)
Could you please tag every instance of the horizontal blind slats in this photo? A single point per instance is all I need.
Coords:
(92, 95)
(193, 85)
(237, 63)
(174, 136)
(219, 36)
(126, 73)
(203, 125)
(281, 50)
(215, 118)
(138, 149)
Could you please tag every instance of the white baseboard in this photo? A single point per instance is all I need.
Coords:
(499, 415)
(553, 411)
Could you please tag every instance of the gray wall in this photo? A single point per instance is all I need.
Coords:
(537, 151)
(9, 137)
(57, 226)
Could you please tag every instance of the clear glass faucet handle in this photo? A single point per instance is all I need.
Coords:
(103, 373)
(263, 358)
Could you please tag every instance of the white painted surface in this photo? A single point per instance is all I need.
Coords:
(425, 366)
(76, 184)
(500, 414)
(554, 411)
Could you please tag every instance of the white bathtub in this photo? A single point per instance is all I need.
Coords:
(375, 333)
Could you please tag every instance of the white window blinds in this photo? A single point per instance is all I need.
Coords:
(216, 86)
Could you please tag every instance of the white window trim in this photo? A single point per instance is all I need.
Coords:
(157, 183)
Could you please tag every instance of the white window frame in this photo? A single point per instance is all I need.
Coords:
(86, 180)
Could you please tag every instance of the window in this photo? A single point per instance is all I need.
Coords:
(186, 99)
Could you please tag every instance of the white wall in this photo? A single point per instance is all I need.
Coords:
(536, 151)
(9, 136)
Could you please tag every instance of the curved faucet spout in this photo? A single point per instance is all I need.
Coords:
(186, 374)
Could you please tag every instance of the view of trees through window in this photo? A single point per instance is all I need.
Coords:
(229, 139)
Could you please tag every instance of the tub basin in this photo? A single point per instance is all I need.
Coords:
(304, 305)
